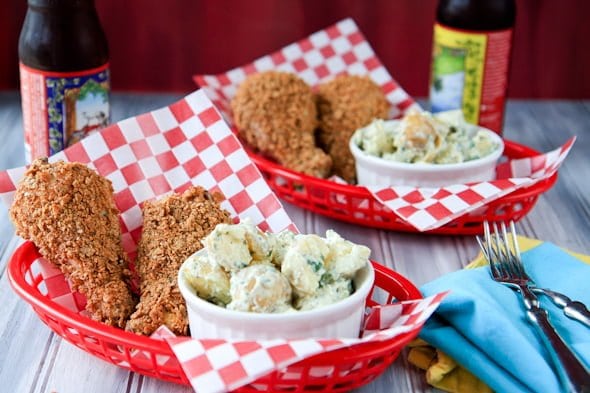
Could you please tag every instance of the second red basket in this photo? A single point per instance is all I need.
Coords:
(357, 205)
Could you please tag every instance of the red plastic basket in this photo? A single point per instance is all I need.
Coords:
(355, 204)
(340, 370)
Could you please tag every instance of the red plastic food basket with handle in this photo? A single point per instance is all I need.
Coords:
(357, 205)
(340, 370)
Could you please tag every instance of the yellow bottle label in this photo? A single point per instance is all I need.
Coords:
(469, 71)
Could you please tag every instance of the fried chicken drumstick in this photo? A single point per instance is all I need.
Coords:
(276, 114)
(172, 231)
(67, 211)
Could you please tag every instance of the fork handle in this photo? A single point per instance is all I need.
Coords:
(571, 308)
(572, 372)
(578, 311)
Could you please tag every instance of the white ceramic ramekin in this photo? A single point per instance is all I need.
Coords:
(339, 320)
(375, 171)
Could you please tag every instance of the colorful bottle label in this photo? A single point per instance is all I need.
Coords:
(59, 109)
(470, 71)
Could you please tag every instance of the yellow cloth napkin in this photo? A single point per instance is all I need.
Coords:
(443, 372)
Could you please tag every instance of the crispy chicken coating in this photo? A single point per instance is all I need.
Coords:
(276, 114)
(172, 231)
(67, 210)
(345, 104)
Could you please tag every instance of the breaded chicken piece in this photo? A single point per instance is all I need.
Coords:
(345, 104)
(67, 210)
(172, 231)
(275, 113)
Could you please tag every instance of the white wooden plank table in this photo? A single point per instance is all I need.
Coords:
(33, 359)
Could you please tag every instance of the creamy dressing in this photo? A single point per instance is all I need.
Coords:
(421, 137)
(249, 270)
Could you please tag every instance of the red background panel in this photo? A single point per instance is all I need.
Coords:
(158, 45)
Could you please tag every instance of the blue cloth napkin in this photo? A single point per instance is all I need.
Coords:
(482, 324)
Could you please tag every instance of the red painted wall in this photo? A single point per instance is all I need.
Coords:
(158, 45)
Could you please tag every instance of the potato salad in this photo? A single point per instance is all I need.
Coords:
(422, 137)
(245, 269)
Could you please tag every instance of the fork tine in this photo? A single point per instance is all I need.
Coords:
(508, 255)
(483, 248)
(505, 237)
(515, 256)
(514, 240)
(486, 248)
(483, 245)
(486, 229)
(498, 251)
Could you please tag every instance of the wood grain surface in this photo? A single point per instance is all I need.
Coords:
(33, 359)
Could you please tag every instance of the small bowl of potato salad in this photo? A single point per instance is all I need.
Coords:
(248, 284)
(425, 150)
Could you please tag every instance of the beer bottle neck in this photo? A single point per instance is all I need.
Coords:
(477, 14)
(61, 3)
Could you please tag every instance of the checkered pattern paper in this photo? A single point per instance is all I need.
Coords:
(338, 49)
(168, 150)
(57, 287)
(223, 365)
(429, 208)
(148, 156)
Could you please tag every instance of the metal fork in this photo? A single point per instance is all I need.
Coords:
(571, 308)
(505, 269)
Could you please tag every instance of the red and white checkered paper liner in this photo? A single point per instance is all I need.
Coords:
(168, 150)
(223, 365)
(154, 154)
(338, 49)
(429, 208)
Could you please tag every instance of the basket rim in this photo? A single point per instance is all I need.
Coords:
(22, 260)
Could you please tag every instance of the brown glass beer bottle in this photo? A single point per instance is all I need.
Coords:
(64, 74)
(471, 58)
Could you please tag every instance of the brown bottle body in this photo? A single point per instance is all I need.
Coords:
(64, 68)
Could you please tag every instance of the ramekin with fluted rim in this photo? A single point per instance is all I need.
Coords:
(342, 319)
(376, 171)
